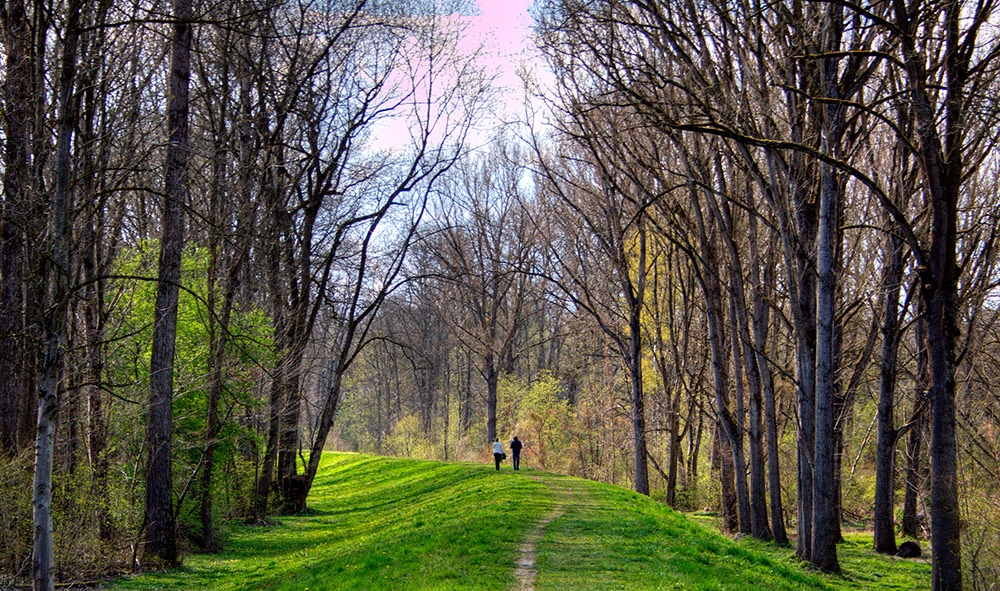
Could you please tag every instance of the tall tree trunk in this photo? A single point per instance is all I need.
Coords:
(160, 531)
(491, 396)
(93, 266)
(97, 428)
(694, 450)
(709, 280)
(744, 358)
(288, 430)
(217, 380)
(914, 474)
(635, 298)
(640, 468)
(761, 314)
(884, 526)
(671, 396)
(805, 374)
(281, 321)
(723, 454)
(945, 512)
(466, 402)
(16, 119)
(943, 162)
(735, 427)
(825, 532)
(56, 274)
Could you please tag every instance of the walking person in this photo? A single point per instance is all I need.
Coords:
(515, 451)
(498, 454)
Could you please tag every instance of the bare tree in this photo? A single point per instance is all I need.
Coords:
(485, 243)
(160, 531)
(54, 322)
(599, 217)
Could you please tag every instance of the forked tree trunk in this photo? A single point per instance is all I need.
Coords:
(943, 160)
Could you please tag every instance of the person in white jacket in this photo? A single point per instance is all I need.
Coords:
(497, 452)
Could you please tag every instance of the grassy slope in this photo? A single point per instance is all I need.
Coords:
(384, 523)
(611, 538)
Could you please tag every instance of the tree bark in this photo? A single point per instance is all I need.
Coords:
(761, 315)
(56, 274)
(745, 361)
(825, 532)
(17, 116)
(723, 453)
(217, 380)
(943, 161)
(635, 297)
(490, 369)
(160, 538)
(883, 522)
(910, 525)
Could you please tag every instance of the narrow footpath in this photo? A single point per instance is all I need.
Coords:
(525, 572)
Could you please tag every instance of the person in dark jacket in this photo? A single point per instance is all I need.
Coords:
(515, 450)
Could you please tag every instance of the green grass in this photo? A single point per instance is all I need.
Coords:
(861, 567)
(378, 523)
(384, 523)
(611, 538)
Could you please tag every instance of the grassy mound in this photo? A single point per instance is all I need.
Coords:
(386, 523)
(611, 538)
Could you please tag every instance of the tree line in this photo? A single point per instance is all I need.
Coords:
(759, 236)
(195, 217)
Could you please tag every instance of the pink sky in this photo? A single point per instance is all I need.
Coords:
(503, 28)
(502, 25)
(501, 32)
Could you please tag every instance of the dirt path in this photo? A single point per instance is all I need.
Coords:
(525, 571)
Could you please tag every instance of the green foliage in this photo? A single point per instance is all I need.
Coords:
(981, 539)
(15, 515)
(408, 439)
(249, 348)
(542, 418)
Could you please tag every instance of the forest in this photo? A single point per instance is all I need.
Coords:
(737, 256)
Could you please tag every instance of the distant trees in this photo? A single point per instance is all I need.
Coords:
(484, 247)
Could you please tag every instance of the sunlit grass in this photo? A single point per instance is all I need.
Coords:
(379, 523)
(385, 523)
(611, 538)
(861, 567)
